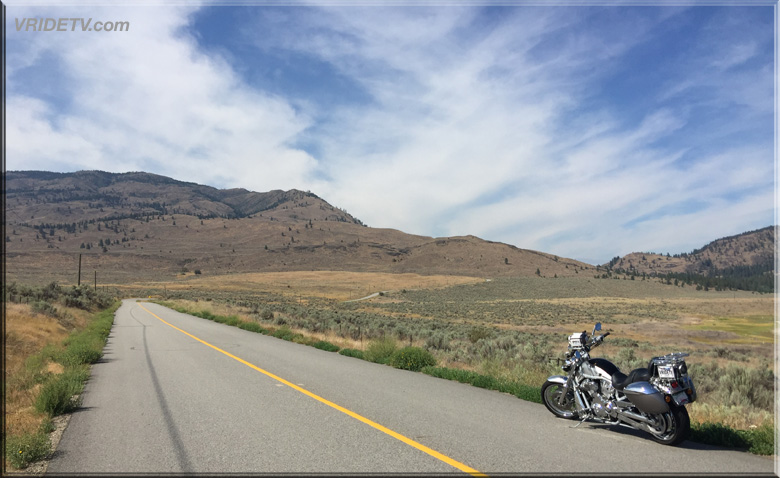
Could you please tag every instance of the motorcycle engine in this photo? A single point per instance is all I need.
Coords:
(601, 405)
(591, 387)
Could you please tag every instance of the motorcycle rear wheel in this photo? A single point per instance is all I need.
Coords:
(673, 428)
(551, 391)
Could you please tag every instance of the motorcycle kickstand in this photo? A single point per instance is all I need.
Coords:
(580, 423)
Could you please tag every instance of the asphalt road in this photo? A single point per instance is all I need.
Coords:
(165, 400)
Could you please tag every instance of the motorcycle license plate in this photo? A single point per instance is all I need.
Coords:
(681, 398)
(666, 371)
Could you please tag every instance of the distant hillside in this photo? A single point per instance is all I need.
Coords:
(744, 261)
(142, 227)
(39, 197)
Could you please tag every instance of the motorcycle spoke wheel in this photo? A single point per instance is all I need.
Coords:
(551, 392)
(671, 427)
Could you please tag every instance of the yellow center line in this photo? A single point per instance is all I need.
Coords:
(383, 429)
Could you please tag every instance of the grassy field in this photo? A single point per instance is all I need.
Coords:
(515, 328)
(336, 285)
(50, 338)
(509, 331)
(750, 329)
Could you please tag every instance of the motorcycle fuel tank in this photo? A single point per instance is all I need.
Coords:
(646, 397)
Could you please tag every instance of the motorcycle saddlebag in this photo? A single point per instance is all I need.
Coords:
(646, 397)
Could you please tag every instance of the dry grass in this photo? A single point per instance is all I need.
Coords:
(338, 285)
(243, 314)
(699, 323)
(20, 414)
(737, 417)
(26, 334)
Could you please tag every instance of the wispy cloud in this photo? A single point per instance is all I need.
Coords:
(149, 99)
(585, 132)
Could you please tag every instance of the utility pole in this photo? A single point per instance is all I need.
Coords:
(95, 281)
(79, 282)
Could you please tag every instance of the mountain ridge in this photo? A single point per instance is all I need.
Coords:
(136, 226)
(741, 261)
(167, 227)
(745, 249)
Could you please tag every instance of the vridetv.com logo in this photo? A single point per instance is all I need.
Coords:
(68, 25)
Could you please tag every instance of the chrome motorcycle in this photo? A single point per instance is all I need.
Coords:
(651, 399)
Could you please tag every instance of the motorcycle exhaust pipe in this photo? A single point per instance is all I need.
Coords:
(631, 416)
(628, 422)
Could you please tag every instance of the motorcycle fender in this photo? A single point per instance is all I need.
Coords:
(558, 379)
(646, 397)
(681, 398)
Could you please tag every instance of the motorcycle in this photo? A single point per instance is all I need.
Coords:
(651, 399)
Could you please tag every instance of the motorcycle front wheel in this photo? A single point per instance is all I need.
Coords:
(672, 427)
(551, 392)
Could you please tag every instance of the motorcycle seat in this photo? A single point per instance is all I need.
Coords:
(621, 380)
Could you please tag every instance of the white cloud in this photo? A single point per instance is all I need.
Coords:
(34, 143)
(496, 126)
(149, 99)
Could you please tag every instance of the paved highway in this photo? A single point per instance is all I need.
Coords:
(179, 394)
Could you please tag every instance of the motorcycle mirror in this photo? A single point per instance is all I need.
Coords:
(597, 327)
(577, 354)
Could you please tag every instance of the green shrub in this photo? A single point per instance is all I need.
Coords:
(45, 308)
(477, 333)
(325, 345)
(285, 333)
(380, 350)
(717, 434)
(463, 376)
(205, 314)
(77, 302)
(57, 394)
(734, 385)
(80, 352)
(520, 390)
(352, 353)
(267, 314)
(85, 297)
(301, 339)
(438, 340)
(25, 449)
(33, 372)
(232, 320)
(82, 349)
(252, 327)
(525, 392)
(412, 358)
(484, 381)
(762, 440)
(47, 425)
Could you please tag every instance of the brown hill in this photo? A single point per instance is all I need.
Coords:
(750, 249)
(139, 227)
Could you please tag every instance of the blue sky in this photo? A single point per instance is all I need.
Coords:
(582, 131)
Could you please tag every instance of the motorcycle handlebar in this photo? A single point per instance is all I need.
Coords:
(596, 341)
